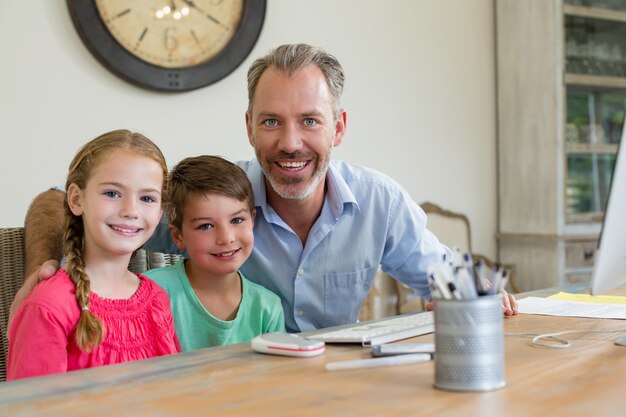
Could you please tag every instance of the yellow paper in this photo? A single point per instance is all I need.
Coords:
(586, 298)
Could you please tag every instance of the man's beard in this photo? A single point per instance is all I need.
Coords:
(284, 188)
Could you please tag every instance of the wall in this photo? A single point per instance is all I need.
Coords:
(420, 96)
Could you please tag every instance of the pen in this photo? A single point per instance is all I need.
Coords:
(504, 280)
(376, 362)
(468, 261)
(454, 291)
(434, 289)
(496, 277)
(479, 277)
(465, 282)
(440, 282)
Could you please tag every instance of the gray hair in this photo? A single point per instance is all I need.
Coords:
(293, 57)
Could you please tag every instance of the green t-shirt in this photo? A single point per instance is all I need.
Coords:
(260, 311)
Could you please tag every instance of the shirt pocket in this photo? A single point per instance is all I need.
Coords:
(344, 293)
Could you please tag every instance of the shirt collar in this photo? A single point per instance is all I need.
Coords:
(339, 196)
(257, 180)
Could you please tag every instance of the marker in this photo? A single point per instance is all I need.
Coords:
(439, 281)
(376, 362)
(446, 268)
(467, 260)
(457, 257)
(434, 289)
(504, 280)
(465, 282)
(496, 277)
(454, 291)
(479, 277)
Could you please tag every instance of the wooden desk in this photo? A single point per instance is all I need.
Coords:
(586, 379)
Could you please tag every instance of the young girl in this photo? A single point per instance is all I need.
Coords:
(211, 217)
(94, 311)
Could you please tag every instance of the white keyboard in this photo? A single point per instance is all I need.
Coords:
(380, 331)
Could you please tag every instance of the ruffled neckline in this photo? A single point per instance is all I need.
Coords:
(121, 307)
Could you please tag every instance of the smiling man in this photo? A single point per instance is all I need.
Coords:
(323, 227)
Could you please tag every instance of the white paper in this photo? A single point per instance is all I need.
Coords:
(551, 307)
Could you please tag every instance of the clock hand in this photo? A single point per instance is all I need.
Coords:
(193, 5)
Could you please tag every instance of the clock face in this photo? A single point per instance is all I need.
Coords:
(174, 33)
(169, 45)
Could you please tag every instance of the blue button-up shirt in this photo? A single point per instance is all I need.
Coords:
(367, 221)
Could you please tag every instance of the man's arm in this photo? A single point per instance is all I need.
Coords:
(43, 230)
(43, 242)
(423, 249)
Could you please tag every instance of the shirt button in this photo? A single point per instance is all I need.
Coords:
(300, 313)
(300, 271)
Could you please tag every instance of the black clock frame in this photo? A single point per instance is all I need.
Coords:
(118, 60)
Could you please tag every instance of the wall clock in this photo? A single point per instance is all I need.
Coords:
(169, 45)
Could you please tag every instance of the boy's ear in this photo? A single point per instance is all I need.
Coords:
(253, 214)
(177, 236)
(74, 199)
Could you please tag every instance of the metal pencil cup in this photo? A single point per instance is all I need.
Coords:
(469, 344)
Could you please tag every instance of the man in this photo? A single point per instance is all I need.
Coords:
(322, 227)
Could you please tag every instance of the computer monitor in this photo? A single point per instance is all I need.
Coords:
(610, 264)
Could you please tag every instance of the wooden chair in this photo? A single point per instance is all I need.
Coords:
(383, 299)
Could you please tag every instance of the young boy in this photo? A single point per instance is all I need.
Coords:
(211, 213)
